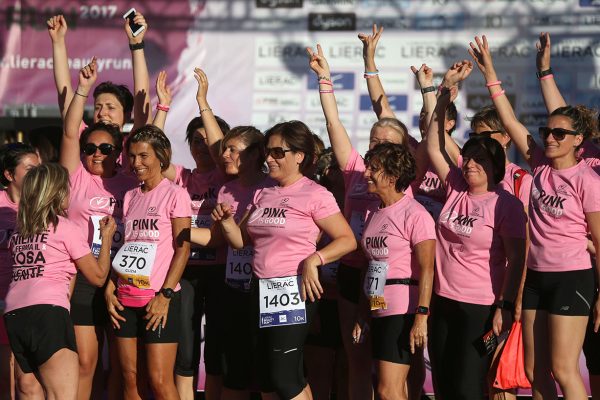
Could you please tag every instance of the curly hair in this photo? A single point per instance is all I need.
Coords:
(156, 138)
(583, 119)
(395, 160)
(299, 138)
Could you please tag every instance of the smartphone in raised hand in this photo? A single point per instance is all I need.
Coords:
(135, 28)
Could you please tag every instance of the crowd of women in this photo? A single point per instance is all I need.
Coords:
(298, 256)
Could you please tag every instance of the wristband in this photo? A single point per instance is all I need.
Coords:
(79, 94)
(372, 73)
(318, 253)
(497, 94)
(162, 107)
(427, 89)
(422, 310)
(543, 78)
(497, 83)
(324, 82)
(205, 109)
(136, 46)
(326, 91)
(324, 78)
(540, 74)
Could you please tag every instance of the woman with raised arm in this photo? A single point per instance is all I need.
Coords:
(16, 159)
(146, 306)
(479, 255)
(47, 250)
(283, 224)
(203, 279)
(97, 188)
(564, 206)
(399, 241)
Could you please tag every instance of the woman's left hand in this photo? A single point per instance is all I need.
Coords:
(311, 287)
(163, 91)
(418, 333)
(502, 321)
(157, 311)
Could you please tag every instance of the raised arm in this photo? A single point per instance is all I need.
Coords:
(141, 79)
(214, 135)
(552, 97)
(515, 129)
(379, 100)
(338, 137)
(163, 91)
(436, 135)
(57, 29)
(69, 147)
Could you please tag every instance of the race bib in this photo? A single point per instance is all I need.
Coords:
(117, 241)
(202, 253)
(280, 302)
(134, 263)
(375, 283)
(357, 223)
(329, 272)
(238, 272)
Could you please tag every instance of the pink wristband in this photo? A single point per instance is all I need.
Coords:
(320, 257)
(162, 107)
(367, 76)
(497, 94)
(543, 78)
(326, 91)
(324, 82)
(493, 84)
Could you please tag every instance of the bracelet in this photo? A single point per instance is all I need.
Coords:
(497, 94)
(136, 46)
(318, 253)
(162, 107)
(546, 72)
(205, 109)
(543, 78)
(497, 83)
(324, 78)
(326, 91)
(427, 89)
(369, 76)
(79, 94)
(372, 73)
(324, 82)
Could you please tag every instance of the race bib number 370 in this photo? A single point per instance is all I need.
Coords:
(280, 302)
(134, 263)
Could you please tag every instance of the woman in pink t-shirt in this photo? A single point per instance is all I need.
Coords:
(564, 207)
(283, 223)
(479, 255)
(399, 241)
(16, 159)
(47, 250)
(146, 305)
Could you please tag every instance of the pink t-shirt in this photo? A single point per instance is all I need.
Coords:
(430, 193)
(508, 183)
(8, 220)
(590, 153)
(203, 188)
(92, 198)
(390, 236)
(358, 204)
(558, 227)
(282, 226)
(147, 220)
(470, 257)
(43, 266)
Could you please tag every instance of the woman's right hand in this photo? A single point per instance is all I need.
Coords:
(458, 72)
(222, 213)
(57, 28)
(112, 305)
(88, 76)
(108, 227)
(202, 80)
(424, 75)
(318, 63)
(370, 43)
(542, 59)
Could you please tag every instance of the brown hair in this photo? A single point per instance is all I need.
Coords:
(253, 139)
(395, 160)
(156, 138)
(299, 138)
(582, 118)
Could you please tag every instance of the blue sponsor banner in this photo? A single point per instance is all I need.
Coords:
(398, 102)
(340, 80)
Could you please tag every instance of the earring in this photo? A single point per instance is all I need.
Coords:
(161, 165)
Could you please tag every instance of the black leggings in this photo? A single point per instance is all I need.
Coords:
(458, 366)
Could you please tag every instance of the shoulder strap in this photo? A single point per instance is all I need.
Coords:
(518, 179)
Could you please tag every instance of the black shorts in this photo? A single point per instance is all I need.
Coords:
(134, 325)
(568, 293)
(325, 329)
(37, 332)
(391, 338)
(88, 306)
(349, 283)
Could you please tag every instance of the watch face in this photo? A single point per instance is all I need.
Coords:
(168, 293)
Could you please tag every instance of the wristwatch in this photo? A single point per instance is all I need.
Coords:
(422, 310)
(505, 305)
(543, 73)
(167, 292)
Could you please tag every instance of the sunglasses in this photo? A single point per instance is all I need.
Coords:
(276, 152)
(482, 134)
(557, 133)
(105, 148)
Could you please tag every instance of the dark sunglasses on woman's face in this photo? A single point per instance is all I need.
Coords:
(276, 152)
(557, 133)
(105, 148)
(482, 134)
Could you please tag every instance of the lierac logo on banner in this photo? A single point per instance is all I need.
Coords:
(279, 3)
(332, 22)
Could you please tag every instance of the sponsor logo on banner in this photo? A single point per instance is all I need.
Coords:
(398, 102)
(341, 81)
(279, 3)
(331, 21)
(589, 3)
(477, 101)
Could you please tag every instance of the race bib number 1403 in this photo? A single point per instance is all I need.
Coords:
(280, 302)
